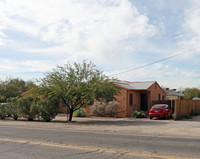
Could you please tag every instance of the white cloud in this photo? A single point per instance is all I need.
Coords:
(2, 35)
(110, 32)
(87, 28)
(190, 36)
(25, 66)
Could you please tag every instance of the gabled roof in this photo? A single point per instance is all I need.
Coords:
(135, 85)
(27, 93)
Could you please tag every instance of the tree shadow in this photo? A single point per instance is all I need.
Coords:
(101, 121)
(107, 122)
(194, 119)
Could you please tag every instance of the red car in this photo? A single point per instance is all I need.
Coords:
(161, 111)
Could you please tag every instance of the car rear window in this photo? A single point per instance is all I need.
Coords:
(158, 106)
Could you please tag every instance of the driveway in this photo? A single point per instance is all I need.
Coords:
(189, 127)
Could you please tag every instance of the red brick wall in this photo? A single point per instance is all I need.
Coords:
(62, 109)
(136, 102)
(122, 99)
(87, 110)
(154, 91)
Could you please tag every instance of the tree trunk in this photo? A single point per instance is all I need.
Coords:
(70, 115)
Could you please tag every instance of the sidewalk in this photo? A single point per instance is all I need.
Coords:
(189, 127)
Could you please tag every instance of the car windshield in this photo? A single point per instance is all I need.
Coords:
(158, 106)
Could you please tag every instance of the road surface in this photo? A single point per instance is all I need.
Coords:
(42, 143)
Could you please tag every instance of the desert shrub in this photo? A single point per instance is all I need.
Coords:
(98, 108)
(79, 113)
(137, 114)
(2, 111)
(105, 109)
(28, 108)
(13, 108)
(48, 109)
(111, 108)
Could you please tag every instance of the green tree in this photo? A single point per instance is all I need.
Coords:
(13, 88)
(76, 85)
(190, 93)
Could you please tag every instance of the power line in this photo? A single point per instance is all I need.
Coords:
(153, 62)
(177, 64)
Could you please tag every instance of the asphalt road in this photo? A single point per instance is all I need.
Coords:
(42, 143)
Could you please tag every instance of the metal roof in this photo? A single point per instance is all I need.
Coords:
(173, 92)
(135, 85)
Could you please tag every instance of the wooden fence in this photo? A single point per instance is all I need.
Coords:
(185, 108)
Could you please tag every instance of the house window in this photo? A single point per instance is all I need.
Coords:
(159, 97)
(91, 102)
(130, 99)
(63, 103)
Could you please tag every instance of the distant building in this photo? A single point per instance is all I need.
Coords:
(196, 98)
(173, 94)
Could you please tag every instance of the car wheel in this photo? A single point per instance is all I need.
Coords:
(151, 117)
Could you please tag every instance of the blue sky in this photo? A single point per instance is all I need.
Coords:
(117, 35)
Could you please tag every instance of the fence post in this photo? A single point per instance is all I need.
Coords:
(176, 110)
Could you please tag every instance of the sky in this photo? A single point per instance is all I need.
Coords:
(118, 36)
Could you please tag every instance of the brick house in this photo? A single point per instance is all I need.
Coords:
(137, 96)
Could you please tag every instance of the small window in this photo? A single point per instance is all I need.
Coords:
(159, 97)
(131, 99)
(91, 102)
(63, 104)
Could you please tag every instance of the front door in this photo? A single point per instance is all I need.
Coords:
(144, 101)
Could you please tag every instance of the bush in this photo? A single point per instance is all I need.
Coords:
(111, 108)
(105, 109)
(79, 113)
(140, 114)
(48, 109)
(98, 108)
(13, 108)
(2, 111)
(28, 108)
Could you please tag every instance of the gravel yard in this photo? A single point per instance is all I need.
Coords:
(189, 127)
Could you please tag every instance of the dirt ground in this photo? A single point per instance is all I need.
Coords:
(190, 127)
